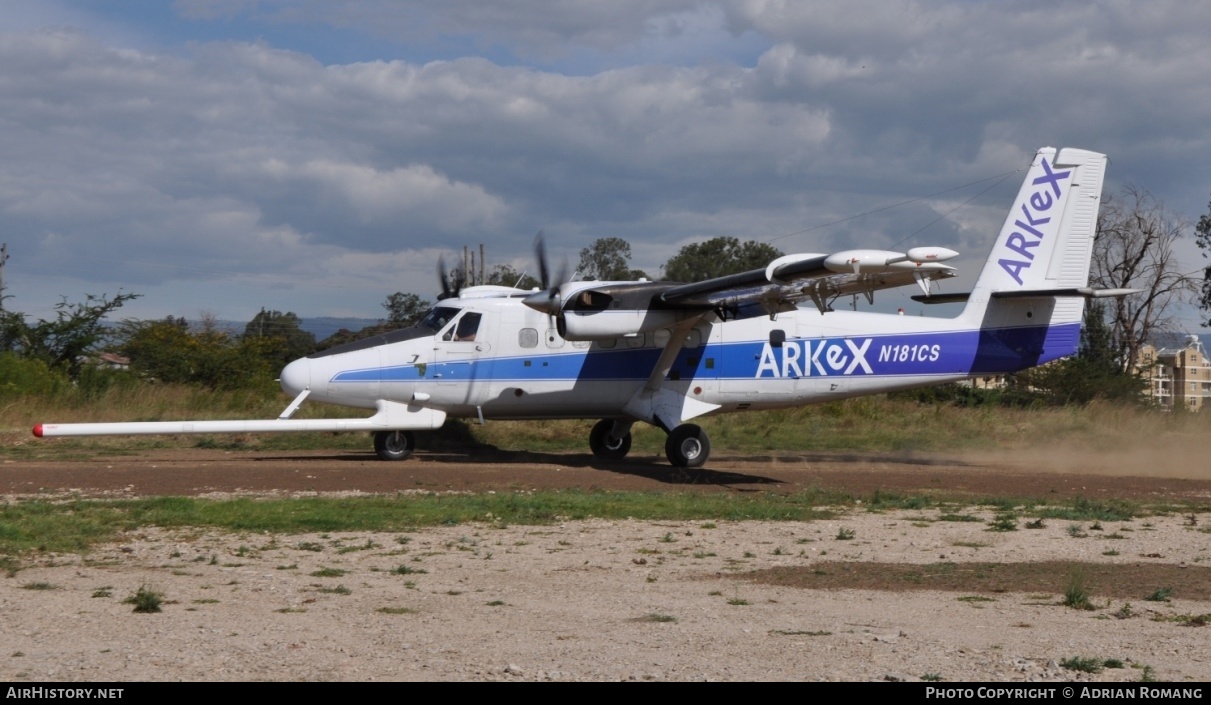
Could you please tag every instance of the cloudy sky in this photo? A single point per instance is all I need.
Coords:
(316, 155)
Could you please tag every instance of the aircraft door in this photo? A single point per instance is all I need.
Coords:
(461, 348)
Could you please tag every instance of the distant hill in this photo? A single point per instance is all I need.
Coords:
(321, 327)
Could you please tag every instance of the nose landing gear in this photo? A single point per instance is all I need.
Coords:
(394, 445)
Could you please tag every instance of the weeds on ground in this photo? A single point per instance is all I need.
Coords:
(1076, 595)
(1005, 521)
(657, 618)
(1160, 595)
(959, 517)
(10, 566)
(845, 534)
(1083, 664)
(328, 573)
(145, 600)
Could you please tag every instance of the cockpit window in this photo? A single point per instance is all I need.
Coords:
(466, 328)
(437, 318)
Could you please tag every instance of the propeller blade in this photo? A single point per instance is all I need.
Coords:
(540, 253)
(548, 300)
(442, 278)
(450, 287)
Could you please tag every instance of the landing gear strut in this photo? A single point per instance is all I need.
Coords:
(394, 445)
(688, 446)
(604, 445)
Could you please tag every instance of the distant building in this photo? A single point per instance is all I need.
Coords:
(107, 360)
(1178, 376)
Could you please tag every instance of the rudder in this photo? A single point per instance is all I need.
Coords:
(1046, 241)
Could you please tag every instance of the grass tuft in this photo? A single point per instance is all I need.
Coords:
(1083, 664)
(1160, 595)
(1076, 594)
(657, 618)
(145, 600)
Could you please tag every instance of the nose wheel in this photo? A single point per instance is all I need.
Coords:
(394, 445)
(688, 446)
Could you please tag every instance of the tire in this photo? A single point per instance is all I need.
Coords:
(394, 445)
(687, 446)
(601, 445)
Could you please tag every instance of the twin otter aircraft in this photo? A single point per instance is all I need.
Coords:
(666, 353)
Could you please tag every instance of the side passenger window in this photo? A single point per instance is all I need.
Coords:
(527, 338)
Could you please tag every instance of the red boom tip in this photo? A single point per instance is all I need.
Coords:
(38, 430)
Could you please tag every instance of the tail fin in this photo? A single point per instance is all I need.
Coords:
(1044, 246)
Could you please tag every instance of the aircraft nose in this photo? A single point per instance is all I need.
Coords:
(296, 376)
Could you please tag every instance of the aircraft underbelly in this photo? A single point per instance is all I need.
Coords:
(558, 399)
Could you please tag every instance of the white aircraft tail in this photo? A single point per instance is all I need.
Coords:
(1038, 272)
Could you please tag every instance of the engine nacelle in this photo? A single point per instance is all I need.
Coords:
(616, 323)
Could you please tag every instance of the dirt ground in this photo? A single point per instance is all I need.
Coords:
(864, 596)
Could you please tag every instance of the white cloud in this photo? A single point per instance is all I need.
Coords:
(247, 159)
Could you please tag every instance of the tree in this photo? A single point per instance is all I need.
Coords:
(405, 309)
(504, 275)
(66, 341)
(607, 259)
(172, 351)
(1094, 372)
(279, 337)
(1204, 242)
(162, 350)
(1134, 249)
(718, 257)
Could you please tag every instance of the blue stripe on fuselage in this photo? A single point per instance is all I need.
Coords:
(968, 352)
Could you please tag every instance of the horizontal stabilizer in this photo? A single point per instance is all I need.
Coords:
(1087, 292)
(942, 298)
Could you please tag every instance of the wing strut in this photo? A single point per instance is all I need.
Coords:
(294, 405)
(660, 404)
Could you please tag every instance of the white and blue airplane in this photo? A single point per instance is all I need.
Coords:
(667, 353)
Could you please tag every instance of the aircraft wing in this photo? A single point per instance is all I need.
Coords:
(821, 278)
(590, 310)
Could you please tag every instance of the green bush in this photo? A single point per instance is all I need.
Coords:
(25, 376)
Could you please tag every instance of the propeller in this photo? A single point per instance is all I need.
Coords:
(450, 287)
(549, 299)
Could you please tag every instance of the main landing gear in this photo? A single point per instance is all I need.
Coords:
(688, 446)
(394, 445)
(604, 445)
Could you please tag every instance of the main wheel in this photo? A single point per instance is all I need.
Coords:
(603, 446)
(687, 446)
(394, 445)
